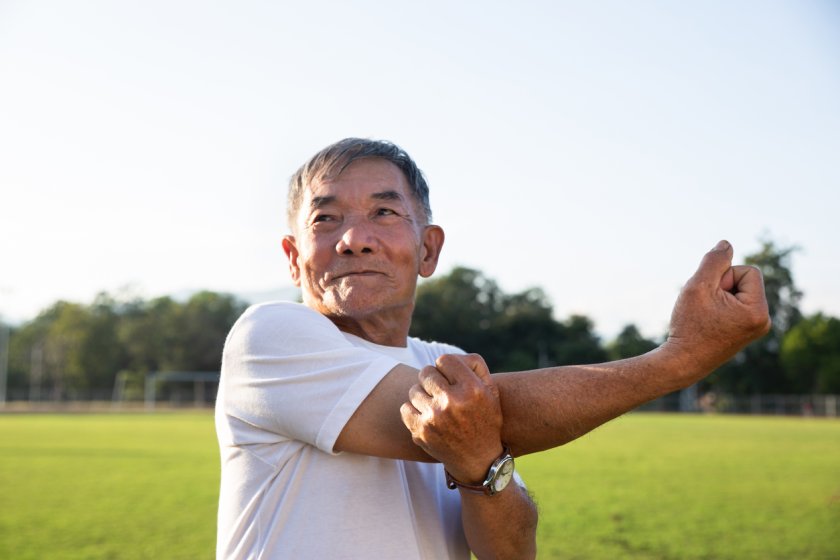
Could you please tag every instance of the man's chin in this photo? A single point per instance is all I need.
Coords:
(357, 307)
(351, 310)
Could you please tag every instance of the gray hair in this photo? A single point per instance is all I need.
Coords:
(332, 160)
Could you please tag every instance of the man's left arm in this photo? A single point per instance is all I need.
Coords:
(456, 417)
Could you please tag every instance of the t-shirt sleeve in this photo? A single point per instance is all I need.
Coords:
(290, 372)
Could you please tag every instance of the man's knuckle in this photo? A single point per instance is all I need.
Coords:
(446, 360)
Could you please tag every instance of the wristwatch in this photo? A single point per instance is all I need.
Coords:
(497, 479)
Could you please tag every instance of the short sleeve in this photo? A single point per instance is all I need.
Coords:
(288, 371)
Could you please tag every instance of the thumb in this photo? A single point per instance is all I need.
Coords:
(715, 264)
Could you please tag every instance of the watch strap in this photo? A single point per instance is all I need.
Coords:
(486, 486)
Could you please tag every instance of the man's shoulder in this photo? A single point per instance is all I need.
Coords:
(282, 313)
(279, 320)
(278, 309)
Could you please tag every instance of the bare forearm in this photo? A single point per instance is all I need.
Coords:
(541, 408)
(500, 526)
(550, 407)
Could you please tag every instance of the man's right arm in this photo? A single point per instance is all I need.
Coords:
(720, 310)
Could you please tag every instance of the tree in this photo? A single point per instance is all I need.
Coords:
(524, 334)
(511, 331)
(629, 343)
(62, 349)
(101, 355)
(26, 345)
(578, 343)
(459, 308)
(71, 349)
(810, 355)
(201, 326)
(147, 332)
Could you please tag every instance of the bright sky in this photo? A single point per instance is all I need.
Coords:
(595, 149)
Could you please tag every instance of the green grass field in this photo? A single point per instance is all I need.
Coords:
(645, 486)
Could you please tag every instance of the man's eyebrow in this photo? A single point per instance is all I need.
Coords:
(320, 202)
(387, 195)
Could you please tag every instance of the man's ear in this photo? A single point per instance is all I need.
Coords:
(433, 237)
(290, 248)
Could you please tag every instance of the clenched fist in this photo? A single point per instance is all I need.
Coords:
(721, 309)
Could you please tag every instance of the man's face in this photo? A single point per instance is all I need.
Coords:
(360, 243)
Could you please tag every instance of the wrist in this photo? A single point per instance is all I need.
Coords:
(473, 470)
(679, 365)
(496, 479)
(670, 367)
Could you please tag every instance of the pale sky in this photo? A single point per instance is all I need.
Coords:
(594, 149)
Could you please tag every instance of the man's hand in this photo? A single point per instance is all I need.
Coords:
(454, 414)
(721, 309)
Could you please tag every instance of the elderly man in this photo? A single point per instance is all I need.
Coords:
(334, 446)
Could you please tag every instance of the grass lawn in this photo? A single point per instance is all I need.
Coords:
(686, 487)
(645, 486)
(108, 486)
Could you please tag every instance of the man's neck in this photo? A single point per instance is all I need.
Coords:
(382, 330)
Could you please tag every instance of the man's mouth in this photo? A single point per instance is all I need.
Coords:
(361, 273)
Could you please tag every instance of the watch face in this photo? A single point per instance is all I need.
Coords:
(503, 475)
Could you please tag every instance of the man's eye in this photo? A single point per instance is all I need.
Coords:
(322, 218)
(385, 212)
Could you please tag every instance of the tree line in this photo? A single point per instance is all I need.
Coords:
(72, 350)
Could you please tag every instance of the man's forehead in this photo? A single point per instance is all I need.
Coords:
(315, 200)
(370, 179)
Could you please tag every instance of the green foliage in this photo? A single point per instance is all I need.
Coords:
(511, 331)
(71, 346)
(148, 332)
(201, 327)
(646, 486)
(72, 350)
(810, 354)
(629, 343)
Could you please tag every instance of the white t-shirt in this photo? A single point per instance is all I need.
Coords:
(290, 382)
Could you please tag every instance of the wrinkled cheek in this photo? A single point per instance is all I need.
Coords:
(311, 289)
(330, 292)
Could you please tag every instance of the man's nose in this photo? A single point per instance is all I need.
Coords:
(357, 239)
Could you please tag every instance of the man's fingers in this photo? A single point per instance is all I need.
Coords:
(419, 399)
(463, 368)
(747, 280)
(407, 411)
(749, 291)
(433, 381)
(715, 264)
(409, 415)
(479, 367)
(453, 368)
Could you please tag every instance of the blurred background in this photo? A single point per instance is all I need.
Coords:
(593, 151)
(582, 158)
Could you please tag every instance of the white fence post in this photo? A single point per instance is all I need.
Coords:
(151, 380)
